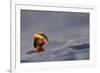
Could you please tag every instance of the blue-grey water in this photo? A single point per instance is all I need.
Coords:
(66, 51)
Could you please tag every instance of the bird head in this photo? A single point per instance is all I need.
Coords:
(39, 35)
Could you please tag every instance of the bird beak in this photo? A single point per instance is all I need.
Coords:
(47, 42)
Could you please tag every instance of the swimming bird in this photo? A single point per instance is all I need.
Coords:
(40, 39)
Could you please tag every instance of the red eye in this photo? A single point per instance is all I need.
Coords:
(42, 41)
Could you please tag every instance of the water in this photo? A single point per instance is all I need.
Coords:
(65, 51)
